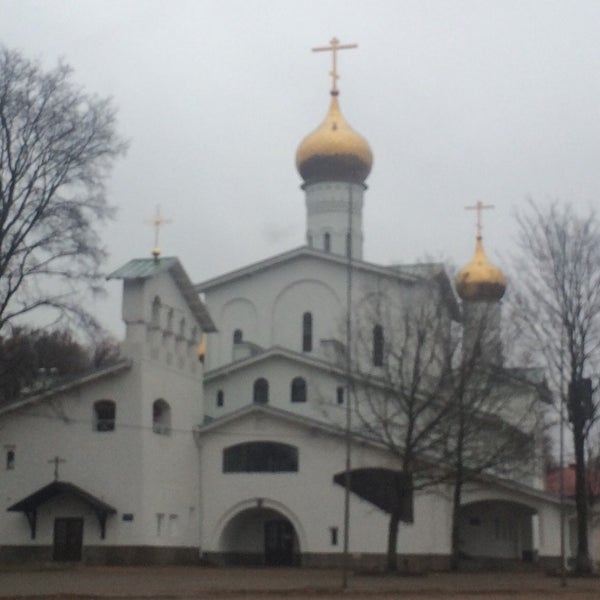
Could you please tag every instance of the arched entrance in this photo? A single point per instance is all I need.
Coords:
(260, 536)
(497, 529)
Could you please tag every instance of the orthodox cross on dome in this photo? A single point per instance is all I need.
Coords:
(156, 222)
(56, 461)
(333, 48)
(479, 206)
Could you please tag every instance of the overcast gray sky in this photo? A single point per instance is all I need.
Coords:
(461, 101)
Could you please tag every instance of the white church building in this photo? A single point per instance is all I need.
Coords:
(162, 458)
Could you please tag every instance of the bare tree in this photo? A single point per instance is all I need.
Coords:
(57, 145)
(432, 400)
(557, 309)
(35, 358)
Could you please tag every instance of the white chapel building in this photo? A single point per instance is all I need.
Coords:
(162, 458)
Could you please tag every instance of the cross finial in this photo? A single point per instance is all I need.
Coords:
(56, 460)
(479, 206)
(334, 46)
(156, 222)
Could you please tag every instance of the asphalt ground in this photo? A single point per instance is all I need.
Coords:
(183, 583)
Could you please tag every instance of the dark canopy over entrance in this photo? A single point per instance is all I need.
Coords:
(31, 503)
(389, 490)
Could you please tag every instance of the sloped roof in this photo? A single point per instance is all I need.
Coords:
(145, 268)
(41, 496)
(65, 384)
(273, 352)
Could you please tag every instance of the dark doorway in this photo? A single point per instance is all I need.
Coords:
(68, 539)
(279, 543)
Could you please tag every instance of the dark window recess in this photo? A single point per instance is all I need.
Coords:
(260, 457)
(10, 460)
(127, 517)
(220, 398)
(378, 346)
(349, 245)
(238, 336)
(333, 536)
(104, 415)
(307, 326)
(327, 242)
(340, 395)
(261, 391)
(298, 391)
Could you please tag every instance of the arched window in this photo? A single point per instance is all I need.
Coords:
(378, 346)
(260, 457)
(327, 242)
(298, 390)
(155, 313)
(104, 415)
(161, 417)
(238, 336)
(307, 332)
(261, 391)
(220, 398)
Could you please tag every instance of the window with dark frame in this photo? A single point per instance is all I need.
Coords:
(340, 395)
(307, 327)
(220, 398)
(261, 391)
(104, 415)
(238, 336)
(260, 457)
(327, 242)
(298, 390)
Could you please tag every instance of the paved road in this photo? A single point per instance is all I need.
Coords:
(183, 583)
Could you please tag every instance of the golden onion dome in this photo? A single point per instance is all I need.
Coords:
(480, 280)
(334, 151)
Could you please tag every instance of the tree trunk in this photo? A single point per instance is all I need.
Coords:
(583, 563)
(392, 561)
(455, 538)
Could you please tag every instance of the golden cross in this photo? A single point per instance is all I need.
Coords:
(333, 48)
(156, 222)
(479, 206)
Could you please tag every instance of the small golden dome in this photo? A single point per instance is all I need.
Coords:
(480, 280)
(334, 151)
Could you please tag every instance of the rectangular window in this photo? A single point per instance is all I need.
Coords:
(160, 518)
(10, 458)
(340, 395)
(333, 536)
(173, 525)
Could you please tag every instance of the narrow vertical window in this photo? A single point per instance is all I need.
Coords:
(378, 346)
(298, 390)
(261, 391)
(333, 536)
(220, 398)
(349, 245)
(238, 336)
(340, 395)
(307, 332)
(10, 460)
(327, 242)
